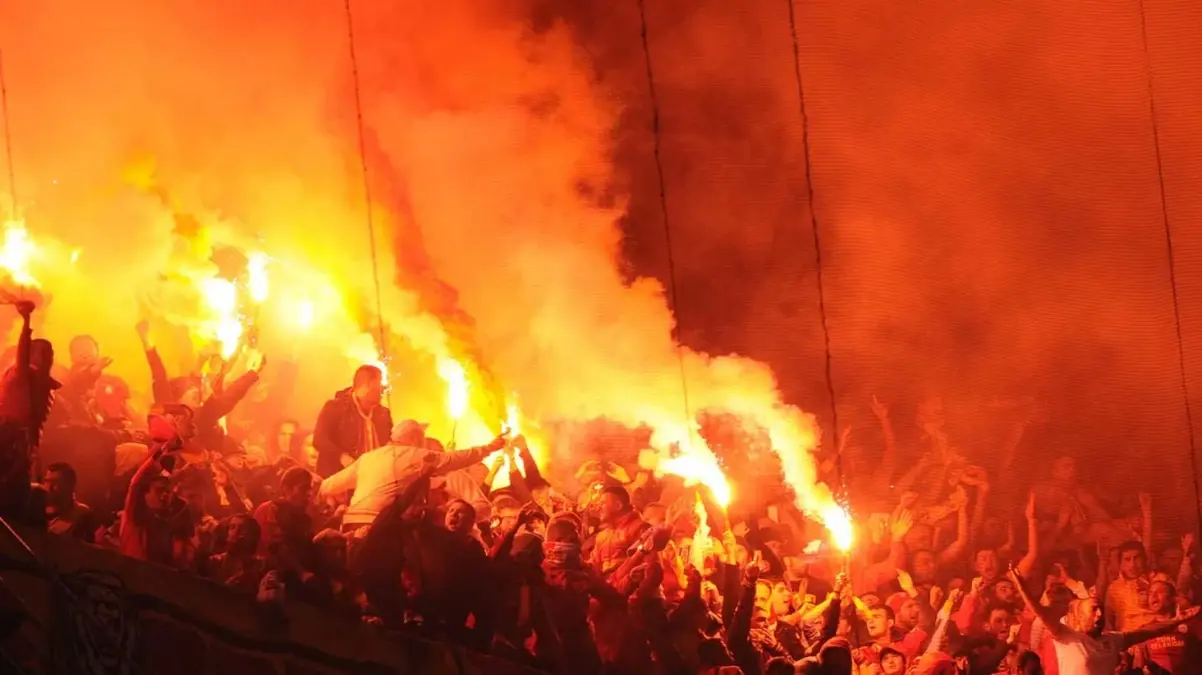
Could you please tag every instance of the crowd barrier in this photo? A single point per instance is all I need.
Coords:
(90, 611)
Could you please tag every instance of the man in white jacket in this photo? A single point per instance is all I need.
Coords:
(378, 476)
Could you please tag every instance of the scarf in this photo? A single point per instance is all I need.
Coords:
(370, 442)
(562, 555)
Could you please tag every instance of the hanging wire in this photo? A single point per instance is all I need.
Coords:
(367, 198)
(1169, 251)
(815, 232)
(663, 208)
(8, 139)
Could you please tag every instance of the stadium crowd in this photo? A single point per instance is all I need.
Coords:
(610, 569)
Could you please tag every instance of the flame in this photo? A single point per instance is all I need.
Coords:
(304, 315)
(17, 252)
(701, 538)
(452, 372)
(256, 272)
(838, 522)
(698, 466)
(513, 417)
(221, 299)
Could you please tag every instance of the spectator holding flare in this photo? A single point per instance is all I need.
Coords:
(352, 423)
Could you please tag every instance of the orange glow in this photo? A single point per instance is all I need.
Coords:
(17, 253)
(451, 371)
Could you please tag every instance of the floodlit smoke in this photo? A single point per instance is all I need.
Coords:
(490, 143)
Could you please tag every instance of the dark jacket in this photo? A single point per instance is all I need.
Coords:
(339, 430)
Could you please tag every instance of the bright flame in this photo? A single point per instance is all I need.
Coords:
(698, 467)
(452, 372)
(701, 538)
(221, 298)
(75, 256)
(304, 315)
(513, 418)
(17, 252)
(839, 523)
(256, 273)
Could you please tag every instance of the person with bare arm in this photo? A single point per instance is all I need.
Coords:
(1082, 647)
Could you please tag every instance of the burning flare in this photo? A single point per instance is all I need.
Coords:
(452, 372)
(17, 253)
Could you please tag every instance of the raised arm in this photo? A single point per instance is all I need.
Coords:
(1045, 614)
(443, 462)
(1155, 630)
(1027, 563)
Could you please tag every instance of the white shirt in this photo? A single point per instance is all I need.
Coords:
(378, 476)
(1080, 654)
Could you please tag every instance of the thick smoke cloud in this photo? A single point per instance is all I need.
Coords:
(985, 187)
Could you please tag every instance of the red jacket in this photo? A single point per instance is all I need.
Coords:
(612, 544)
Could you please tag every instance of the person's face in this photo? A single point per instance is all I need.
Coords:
(237, 529)
(1170, 560)
(920, 537)
(924, 567)
(1004, 591)
(371, 391)
(1064, 470)
(782, 597)
(907, 616)
(310, 454)
(284, 438)
(1131, 564)
(892, 664)
(1160, 600)
(84, 351)
(759, 619)
(156, 496)
(878, 623)
(184, 425)
(57, 488)
(41, 355)
(763, 596)
(998, 624)
(458, 518)
(298, 495)
(986, 564)
(609, 507)
(655, 515)
(195, 500)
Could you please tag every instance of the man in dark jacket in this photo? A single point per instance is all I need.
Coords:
(352, 423)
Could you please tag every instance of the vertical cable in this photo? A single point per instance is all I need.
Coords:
(663, 208)
(815, 232)
(8, 139)
(367, 198)
(1169, 251)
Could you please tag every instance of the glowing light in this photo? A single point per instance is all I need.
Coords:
(836, 520)
(452, 372)
(701, 538)
(304, 314)
(513, 417)
(75, 256)
(699, 467)
(256, 277)
(221, 298)
(17, 252)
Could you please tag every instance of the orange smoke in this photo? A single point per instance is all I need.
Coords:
(503, 140)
